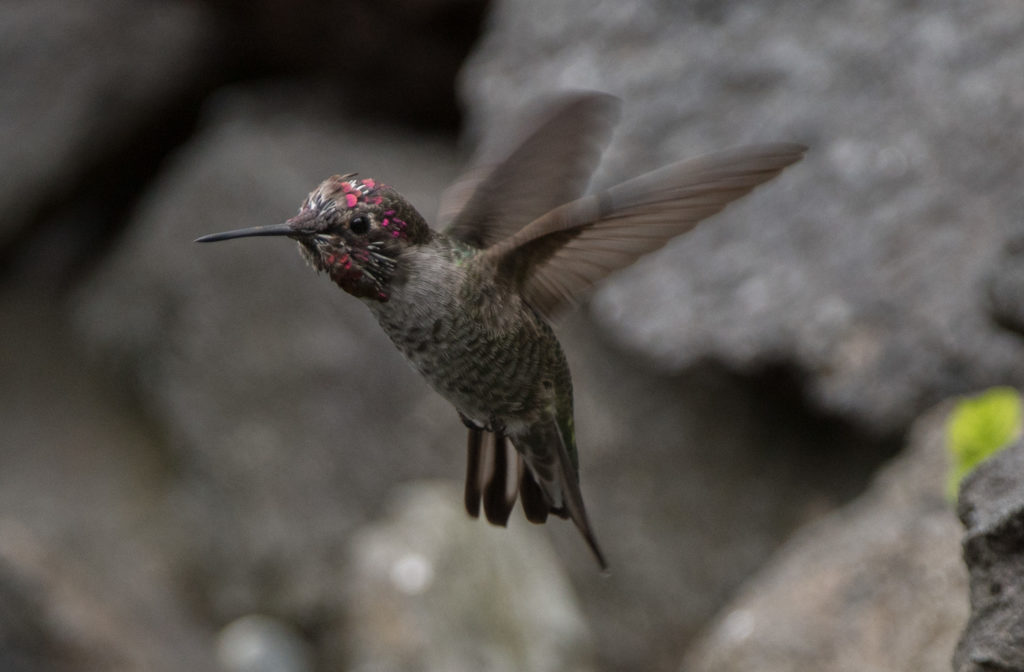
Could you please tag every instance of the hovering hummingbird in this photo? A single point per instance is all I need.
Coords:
(469, 306)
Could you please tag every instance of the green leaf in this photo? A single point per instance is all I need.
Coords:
(979, 427)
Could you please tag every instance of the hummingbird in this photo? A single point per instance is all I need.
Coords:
(470, 304)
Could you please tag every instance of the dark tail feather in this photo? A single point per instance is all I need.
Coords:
(487, 477)
(473, 448)
(534, 505)
(574, 506)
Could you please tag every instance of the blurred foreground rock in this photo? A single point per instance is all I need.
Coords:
(866, 266)
(258, 643)
(877, 585)
(432, 590)
(992, 509)
(87, 559)
(59, 614)
(46, 621)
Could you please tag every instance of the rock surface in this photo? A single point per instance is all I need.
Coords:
(426, 575)
(991, 507)
(866, 265)
(877, 585)
(258, 643)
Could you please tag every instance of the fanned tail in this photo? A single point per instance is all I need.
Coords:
(535, 506)
(487, 476)
(545, 480)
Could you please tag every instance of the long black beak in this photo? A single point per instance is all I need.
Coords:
(285, 229)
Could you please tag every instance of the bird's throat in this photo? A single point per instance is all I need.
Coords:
(352, 279)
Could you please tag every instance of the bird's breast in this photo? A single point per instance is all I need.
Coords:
(486, 353)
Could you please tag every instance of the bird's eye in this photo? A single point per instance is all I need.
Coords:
(359, 225)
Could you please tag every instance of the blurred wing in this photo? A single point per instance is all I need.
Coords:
(549, 168)
(567, 250)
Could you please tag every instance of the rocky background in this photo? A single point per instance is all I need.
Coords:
(213, 460)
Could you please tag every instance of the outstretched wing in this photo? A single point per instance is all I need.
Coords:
(564, 252)
(550, 167)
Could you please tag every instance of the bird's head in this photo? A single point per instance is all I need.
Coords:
(351, 229)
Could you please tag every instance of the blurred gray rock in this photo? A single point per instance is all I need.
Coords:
(79, 80)
(1006, 286)
(47, 620)
(991, 507)
(258, 643)
(877, 585)
(865, 265)
(58, 613)
(87, 563)
(432, 590)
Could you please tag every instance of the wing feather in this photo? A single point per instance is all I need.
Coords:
(564, 252)
(551, 166)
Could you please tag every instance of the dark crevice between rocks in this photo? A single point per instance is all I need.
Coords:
(1003, 286)
(826, 457)
(840, 453)
(796, 461)
(745, 459)
(395, 60)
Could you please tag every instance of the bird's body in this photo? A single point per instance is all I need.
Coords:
(448, 313)
(469, 306)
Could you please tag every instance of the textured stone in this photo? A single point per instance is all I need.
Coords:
(877, 585)
(864, 266)
(991, 507)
